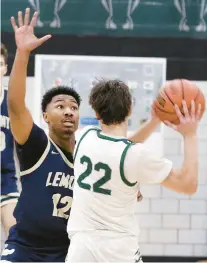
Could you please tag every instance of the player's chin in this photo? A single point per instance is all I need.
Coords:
(69, 130)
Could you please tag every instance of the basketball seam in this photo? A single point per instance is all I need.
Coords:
(169, 97)
(170, 113)
(164, 111)
(196, 97)
(182, 88)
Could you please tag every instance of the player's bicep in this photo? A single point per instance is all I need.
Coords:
(21, 125)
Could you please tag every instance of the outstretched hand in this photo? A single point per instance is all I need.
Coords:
(189, 121)
(24, 32)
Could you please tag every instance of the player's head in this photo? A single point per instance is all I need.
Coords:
(112, 101)
(4, 58)
(60, 107)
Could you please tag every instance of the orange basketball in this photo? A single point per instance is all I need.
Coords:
(173, 92)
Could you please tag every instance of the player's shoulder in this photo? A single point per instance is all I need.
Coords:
(136, 148)
(83, 131)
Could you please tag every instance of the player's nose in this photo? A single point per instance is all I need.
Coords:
(68, 112)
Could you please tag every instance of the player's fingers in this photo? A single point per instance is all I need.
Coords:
(14, 25)
(185, 109)
(171, 125)
(198, 113)
(193, 110)
(20, 20)
(43, 39)
(178, 112)
(26, 17)
(34, 19)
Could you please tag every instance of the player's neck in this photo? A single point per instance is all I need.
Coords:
(67, 144)
(116, 129)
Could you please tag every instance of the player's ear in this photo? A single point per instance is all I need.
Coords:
(130, 111)
(97, 116)
(45, 117)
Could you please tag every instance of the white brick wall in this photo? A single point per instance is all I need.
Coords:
(177, 224)
(199, 222)
(176, 221)
(192, 236)
(178, 250)
(192, 206)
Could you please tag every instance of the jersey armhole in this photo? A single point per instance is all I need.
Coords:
(40, 161)
(81, 138)
(123, 156)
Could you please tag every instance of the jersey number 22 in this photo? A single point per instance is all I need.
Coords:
(97, 186)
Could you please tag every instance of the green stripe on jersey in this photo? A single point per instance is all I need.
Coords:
(123, 156)
(81, 138)
(108, 138)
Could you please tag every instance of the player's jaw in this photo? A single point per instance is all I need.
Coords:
(69, 124)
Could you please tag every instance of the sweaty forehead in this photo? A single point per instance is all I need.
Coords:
(63, 97)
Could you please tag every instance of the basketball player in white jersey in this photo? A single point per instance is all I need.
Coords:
(108, 170)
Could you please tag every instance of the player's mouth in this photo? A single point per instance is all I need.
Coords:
(68, 123)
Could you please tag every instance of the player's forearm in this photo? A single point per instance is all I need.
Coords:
(145, 130)
(189, 168)
(17, 82)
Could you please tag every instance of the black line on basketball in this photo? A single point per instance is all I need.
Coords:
(197, 95)
(169, 98)
(164, 111)
(182, 88)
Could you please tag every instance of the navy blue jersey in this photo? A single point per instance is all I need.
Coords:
(7, 146)
(42, 212)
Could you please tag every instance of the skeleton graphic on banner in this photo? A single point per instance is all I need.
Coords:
(58, 5)
(180, 5)
(129, 24)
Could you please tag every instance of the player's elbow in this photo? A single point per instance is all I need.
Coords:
(12, 104)
(15, 108)
(182, 181)
(191, 188)
(189, 182)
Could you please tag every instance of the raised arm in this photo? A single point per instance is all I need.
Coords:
(20, 117)
(185, 179)
(148, 168)
(146, 129)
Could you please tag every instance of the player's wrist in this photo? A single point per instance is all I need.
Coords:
(190, 135)
(155, 120)
(22, 52)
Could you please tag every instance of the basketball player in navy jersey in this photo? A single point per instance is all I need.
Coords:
(9, 192)
(45, 162)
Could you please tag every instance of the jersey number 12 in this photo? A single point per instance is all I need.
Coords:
(97, 186)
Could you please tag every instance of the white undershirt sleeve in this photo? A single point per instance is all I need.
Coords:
(144, 166)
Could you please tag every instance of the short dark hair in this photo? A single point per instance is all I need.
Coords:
(4, 53)
(111, 100)
(59, 90)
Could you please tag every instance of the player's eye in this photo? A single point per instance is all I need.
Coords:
(74, 108)
(60, 107)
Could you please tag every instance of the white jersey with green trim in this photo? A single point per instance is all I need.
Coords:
(108, 170)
